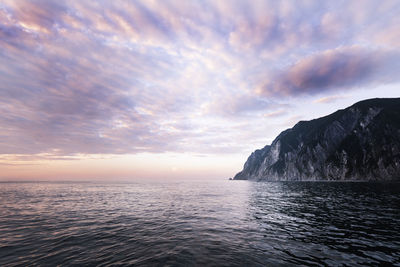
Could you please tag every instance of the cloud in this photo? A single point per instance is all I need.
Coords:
(340, 68)
(154, 76)
(239, 105)
(37, 15)
(274, 114)
(329, 99)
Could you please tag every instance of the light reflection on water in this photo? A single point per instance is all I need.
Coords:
(221, 223)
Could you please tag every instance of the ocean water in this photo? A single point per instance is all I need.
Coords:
(199, 223)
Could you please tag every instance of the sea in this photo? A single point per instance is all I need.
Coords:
(199, 223)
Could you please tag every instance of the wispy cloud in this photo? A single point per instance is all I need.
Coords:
(340, 68)
(154, 76)
(329, 99)
(273, 114)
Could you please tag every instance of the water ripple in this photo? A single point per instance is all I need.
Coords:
(213, 223)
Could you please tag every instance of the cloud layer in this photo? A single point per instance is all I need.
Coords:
(154, 76)
(341, 68)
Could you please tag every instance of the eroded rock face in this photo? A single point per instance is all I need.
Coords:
(361, 142)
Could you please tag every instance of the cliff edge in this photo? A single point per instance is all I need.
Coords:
(361, 142)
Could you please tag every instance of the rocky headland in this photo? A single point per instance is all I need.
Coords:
(361, 142)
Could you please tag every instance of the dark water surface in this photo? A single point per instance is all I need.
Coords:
(213, 223)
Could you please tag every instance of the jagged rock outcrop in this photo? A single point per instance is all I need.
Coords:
(361, 142)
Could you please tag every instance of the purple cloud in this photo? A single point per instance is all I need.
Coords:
(155, 76)
(334, 69)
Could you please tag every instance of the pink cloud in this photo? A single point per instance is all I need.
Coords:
(340, 68)
(134, 76)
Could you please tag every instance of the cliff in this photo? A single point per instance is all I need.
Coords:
(361, 142)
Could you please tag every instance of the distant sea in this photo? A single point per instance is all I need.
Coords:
(199, 223)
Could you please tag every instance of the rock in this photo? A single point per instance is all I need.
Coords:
(361, 142)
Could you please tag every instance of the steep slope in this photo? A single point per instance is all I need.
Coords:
(361, 142)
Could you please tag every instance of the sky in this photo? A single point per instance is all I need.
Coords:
(178, 89)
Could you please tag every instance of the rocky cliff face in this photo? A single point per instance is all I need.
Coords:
(361, 142)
